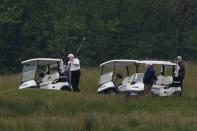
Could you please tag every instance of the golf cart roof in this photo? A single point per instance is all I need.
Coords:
(120, 62)
(41, 61)
(155, 62)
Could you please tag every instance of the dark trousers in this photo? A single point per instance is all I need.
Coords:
(75, 76)
(178, 79)
(147, 88)
(181, 84)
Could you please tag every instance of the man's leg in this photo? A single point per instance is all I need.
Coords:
(147, 88)
(73, 80)
(181, 84)
(78, 73)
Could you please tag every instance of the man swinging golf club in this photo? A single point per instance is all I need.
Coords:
(74, 66)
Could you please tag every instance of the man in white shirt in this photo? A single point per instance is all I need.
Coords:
(74, 65)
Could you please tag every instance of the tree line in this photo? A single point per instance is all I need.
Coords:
(132, 29)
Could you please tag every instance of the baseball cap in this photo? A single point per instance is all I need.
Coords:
(179, 57)
(70, 55)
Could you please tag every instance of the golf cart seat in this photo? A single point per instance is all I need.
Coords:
(127, 79)
(164, 80)
(49, 79)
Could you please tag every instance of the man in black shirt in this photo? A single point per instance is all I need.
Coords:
(181, 71)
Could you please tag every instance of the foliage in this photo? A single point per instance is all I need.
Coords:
(113, 28)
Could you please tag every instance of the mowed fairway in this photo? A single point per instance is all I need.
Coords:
(37, 109)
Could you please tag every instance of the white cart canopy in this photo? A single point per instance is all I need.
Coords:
(155, 62)
(119, 63)
(41, 61)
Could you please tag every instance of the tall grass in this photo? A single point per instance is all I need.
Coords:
(37, 109)
(8, 82)
(89, 80)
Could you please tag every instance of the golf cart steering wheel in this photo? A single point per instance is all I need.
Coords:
(41, 73)
(119, 76)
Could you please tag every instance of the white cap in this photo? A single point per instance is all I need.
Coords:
(70, 55)
(179, 57)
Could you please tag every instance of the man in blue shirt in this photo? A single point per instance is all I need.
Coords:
(149, 77)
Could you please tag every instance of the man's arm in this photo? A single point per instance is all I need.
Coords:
(182, 71)
(76, 62)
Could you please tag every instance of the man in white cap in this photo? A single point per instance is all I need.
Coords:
(149, 77)
(74, 65)
(180, 71)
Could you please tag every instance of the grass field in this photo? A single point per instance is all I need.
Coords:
(37, 109)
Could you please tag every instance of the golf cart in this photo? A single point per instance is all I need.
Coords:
(113, 82)
(165, 85)
(45, 73)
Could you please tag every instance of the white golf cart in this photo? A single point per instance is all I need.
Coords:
(44, 73)
(164, 85)
(129, 83)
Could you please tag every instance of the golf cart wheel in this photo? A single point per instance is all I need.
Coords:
(111, 92)
(65, 88)
(177, 93)
(101, 93)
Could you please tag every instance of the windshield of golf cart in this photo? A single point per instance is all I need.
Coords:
(106, 78)
(28, 72)
(34, 72)
(116, 71)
